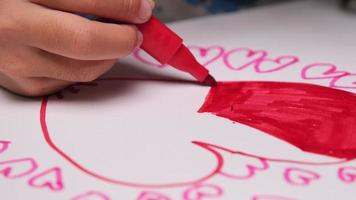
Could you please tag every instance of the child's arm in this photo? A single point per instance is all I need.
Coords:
(44, 47)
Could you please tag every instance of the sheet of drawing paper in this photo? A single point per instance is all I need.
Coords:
(136, 134)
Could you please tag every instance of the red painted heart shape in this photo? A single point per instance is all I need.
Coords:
(321, 71)
(300, 177)
(347, 174)
(152, 196)
(202, 192)
(92, 195)
(17, 168)
(347, 81)
(4, 145)
(240, 58)
(267, 65)
(51, 179)
(207, 55)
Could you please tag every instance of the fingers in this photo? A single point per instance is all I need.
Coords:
(75, 37)
(135, 11)
(39, 63)
(31, 86)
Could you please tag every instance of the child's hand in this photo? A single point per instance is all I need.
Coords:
(44, 47)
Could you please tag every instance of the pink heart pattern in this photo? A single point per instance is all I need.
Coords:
(152, 196)
(208, 55)
(51, 179)
(347, 174)
(348, 81)
(321, 71)
(267, 65)
(300, 177)
(240, 58)
(92, 195)
(202, 192)
(17, 168)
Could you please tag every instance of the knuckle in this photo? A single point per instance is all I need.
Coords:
(81, 43)
(130, 7)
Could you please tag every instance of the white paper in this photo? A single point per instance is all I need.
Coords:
(144, 138)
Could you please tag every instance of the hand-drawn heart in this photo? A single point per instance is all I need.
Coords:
(240, 58)
(207, 55)
(152, 196)
(51, 179)
(236, 164)
(300, 177)
(144, 58)
(321, 71)
(4, 145)
(347, 81)
(347, 174)
(17, 168)
(267, 65)
(270, 197)
(92, 195)
(203, 192)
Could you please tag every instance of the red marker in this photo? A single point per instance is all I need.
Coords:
(167, 47)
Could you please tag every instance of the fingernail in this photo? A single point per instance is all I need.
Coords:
(146, 8)
(139, 39)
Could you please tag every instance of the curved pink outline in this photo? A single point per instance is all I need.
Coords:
(249, 53)
(330, 72)
(205, 50)
(200, 195)
(57, 186)
(4, 146)
(292, 60)
(312, 176)
(6, 172)
(346, 176)
(148, 196)
(206, 146)
(91, 193)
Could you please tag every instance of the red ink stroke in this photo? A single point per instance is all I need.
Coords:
(314, 118)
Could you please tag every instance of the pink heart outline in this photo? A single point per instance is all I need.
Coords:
(330, 72)
(283, 61)
(90, 194)
(7, 171)
(270, 197)
(4, 146)
(304, 176)
(204, 51)
(196, 193)
(251, 170)
(347, 174)
(56, 186)
(137, 55)
(249, 53)
(334, 84)
(152, 196)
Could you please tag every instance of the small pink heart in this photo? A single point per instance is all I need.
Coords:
(4, 145)
(202, 192)
(207, 55)
(144, 58)
(92, 195)
(267, 65)
(152, 196)
(17, 168)
(321, 71)
(51, 179)
(240, 58)
(347, 81)
(347, 174)
(300, 177)
(269, 197)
